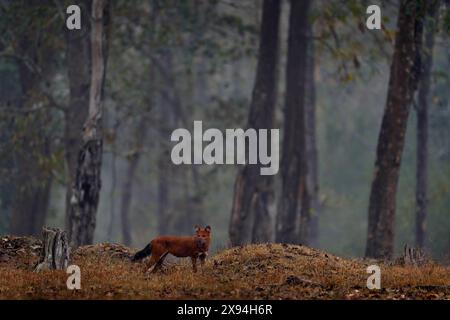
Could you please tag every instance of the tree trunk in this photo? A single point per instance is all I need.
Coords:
(78, 56)
(163, 191)
(291, 229)
(193, 196)
(253, 193)
(112, 192)
(422, 126)
(86, 187)
(403, 81)
(447, 6)
(127, 190)
(32, 181)
(55, 252)
(311, 146)
(170, 116)
(29, 210)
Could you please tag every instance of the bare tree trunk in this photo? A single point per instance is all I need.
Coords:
(447, 5)
(253, 193)
(403, 81)
(55, 252)
(127, 190)
(41, 204)
(112, 192)
(448, 102)
(311, 146)
(175, 113)
(294, 159)
(196, 189)
(30, 204)
(87, 184)
(422, 126)
(163, 193)
(78, 56)
(32, 181)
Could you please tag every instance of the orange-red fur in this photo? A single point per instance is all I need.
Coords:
(195, 247)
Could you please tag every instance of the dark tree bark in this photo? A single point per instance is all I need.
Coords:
(294, 211)
(78, 56)
(32, 180)
(253, 193)
(404, 76)
(55, 252)
(422, 125)
(311, 146)
(87, 183)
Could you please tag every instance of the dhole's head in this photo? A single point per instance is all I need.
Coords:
(204, 233)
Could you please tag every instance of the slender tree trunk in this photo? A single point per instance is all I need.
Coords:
(422, 126)
(311, 146)
(30, 205)
(196, 189)
(447, 5)
(163, 192)
(32, 181)
(448, 102)
(193, 200)
(404, 75)
(40, 206)
(166, 112)
(295, 200)
(78, 56)
(32, 196)
(112, 192)
(87, 184)
(253, 193)
(127, 190)
(193, 195)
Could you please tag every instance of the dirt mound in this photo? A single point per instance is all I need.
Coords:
(22, 252)
(281, 271)
(105, 250)
(265, 271)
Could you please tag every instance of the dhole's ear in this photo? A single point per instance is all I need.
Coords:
(196, 228)
(208, 228)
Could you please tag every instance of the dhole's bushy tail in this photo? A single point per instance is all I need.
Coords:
(143, 253)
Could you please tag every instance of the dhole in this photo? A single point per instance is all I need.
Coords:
(195, 247)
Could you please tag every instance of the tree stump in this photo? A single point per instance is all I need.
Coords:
(55, 252)
(413, 256)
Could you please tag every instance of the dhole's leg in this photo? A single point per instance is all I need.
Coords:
(194, 263)
(160, 261)
(153, 260)
(202, 259)
(156, 262)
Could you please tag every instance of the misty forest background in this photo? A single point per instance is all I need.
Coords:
(168, 63)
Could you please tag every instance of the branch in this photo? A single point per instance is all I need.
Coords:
(21, 111)
(60, 9)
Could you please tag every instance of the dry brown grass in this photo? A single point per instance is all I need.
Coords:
(266, 271)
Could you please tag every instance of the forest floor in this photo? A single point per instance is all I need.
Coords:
(265, 271)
